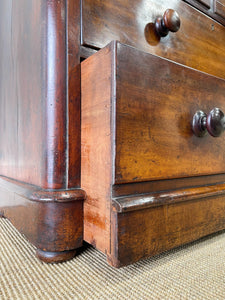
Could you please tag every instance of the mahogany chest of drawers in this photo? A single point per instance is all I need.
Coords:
(108, 117)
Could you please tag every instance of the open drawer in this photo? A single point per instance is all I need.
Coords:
(150, 105)
(137, 113)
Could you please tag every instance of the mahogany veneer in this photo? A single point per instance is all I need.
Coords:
(151, 184)
(136, 126)
(51, 219)
(40, 123)
(199, 43)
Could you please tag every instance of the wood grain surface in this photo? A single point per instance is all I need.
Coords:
(198, 43)
(22, 72)
(209, 7)
(96, 136)
(74, 92)
(155, 102)
(138, 202)
(51, 219)
(147, 232)
(117, 84)
(153, 186)
(220, 8)
(40, 123)
(39, 103)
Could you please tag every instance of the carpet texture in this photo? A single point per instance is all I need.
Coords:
(196, 271)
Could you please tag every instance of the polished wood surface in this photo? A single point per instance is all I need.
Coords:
(57, 257)
(170, 21)
(210, 8)
(135, 106)
(133, 202)
(212, 123)
(145, 187)
(34, 193)
(198, 43)
(20, 91)
(33, 143)
(125, 221)
(154, 110)
(51, 219)
(220, 8)
(147, 232)
(37, 146)
(40, 123)
(96, 135)
(74, 92)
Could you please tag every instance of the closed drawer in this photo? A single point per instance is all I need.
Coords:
(198, 44)
(143, 116)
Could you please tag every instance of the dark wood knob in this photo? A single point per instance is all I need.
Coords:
(213, 123)
(169, 22)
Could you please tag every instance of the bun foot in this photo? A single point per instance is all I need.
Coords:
(55, 257)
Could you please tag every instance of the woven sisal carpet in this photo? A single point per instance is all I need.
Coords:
(196, 271)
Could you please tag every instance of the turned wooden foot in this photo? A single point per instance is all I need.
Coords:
(55, 257)
(52, 220)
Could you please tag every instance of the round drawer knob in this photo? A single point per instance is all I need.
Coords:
(213, 123)
(169, 22)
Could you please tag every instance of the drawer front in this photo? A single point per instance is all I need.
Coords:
(200, 42)
(155, 102)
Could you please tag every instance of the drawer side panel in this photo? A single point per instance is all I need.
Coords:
(96, 134)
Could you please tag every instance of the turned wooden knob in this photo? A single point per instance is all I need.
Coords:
(169, 22)
(213, 123)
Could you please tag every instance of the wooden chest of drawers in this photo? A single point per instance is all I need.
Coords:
(137, 144)
(151, 183)
(118, 124)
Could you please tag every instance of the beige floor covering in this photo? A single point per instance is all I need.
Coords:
(196, 271)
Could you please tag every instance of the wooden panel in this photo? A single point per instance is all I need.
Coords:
(155, 102)
(220, 8)
(21, 91)
(141, 230)
(147, 232)
(199, 43)
(133, 202)
(38, 102)
(73, 29)
(96, 135)
(119, 190)
(40, 122)
(51, 220)
(208, 8)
